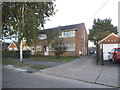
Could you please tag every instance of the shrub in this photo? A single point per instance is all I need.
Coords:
(38, 53)
(26, 54)
(15, 54)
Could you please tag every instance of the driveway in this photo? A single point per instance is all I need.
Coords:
(85, 69)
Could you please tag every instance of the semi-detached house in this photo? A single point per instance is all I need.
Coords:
(75, 38)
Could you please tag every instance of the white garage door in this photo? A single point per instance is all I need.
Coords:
(107, 48)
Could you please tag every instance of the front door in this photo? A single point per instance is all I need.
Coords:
(46, 50)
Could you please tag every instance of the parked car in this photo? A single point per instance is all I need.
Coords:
(114, 55)
(95, 52)
(91, 52)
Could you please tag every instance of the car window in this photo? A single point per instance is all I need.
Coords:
(118, 49)
(112, 51)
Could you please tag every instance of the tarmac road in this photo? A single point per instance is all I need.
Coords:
(21, 79)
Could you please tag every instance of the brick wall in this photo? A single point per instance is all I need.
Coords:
(79, 40)
(111, 40)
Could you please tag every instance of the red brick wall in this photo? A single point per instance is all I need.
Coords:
(111, 40)
(80, 40)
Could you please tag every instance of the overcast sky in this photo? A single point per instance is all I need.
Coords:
(79, 11)
(83, 11)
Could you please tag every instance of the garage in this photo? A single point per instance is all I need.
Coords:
(106, 45)
(107, 48)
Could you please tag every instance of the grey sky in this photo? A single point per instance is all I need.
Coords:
(78, 11)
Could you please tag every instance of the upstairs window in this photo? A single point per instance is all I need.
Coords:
(68, 34)
(42, 36)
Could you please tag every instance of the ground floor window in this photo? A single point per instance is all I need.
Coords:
(50, 48)
(39, 48)
(10, 48)
(15, 48)
(70, 47)
(32, 48)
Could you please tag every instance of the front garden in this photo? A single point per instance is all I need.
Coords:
(24, 65)
(53, 58)
(27, 56)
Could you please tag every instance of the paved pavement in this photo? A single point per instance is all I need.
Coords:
(20, 79)
(85, 69)
(38, 62)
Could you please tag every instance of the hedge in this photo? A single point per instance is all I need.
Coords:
(15, 54)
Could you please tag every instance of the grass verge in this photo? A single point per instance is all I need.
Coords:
(28, 65)
(54, 59)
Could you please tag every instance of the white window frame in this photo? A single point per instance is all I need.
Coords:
(32, 48)
(10, 49)
(39, 48)
(70, 47)
(15, 48)
(42, 37)
(68, 33)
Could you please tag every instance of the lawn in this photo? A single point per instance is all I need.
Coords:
(28, 65)
(53, 59)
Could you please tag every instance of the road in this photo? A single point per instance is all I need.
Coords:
(21, 79)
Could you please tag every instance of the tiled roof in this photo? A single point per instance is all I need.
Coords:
(110, 35)
(67, 27)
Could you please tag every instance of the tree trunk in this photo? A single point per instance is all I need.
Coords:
(57, 56)
(21, 48)
(34, 48)
(21, 52)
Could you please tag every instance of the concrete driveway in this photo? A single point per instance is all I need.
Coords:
(85, 69)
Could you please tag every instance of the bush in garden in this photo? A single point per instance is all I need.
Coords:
(15, 54)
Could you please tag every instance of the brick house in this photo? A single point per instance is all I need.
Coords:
(12, 46)
(107, 44)
(75, 38)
